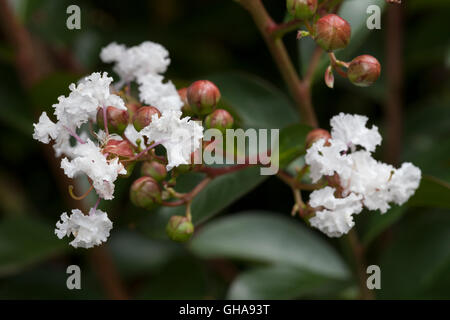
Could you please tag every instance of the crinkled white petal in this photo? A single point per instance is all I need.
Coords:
(336, 218)
(88, 159)
(352, 130)
(179, 136)
(148, 57)
(369, 178)
(89, 230)
(327, 160)
(133, 136)
(155, 92)
(404, 183)
(45, 129)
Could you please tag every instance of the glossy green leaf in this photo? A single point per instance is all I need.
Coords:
(292, 143)
(376, 223)
(281, 283)
(182, 278)
(136, 255)
(416, 265)
(268, 238)
(257, 103)
(220, 193)
(432, 192)
(25, 241)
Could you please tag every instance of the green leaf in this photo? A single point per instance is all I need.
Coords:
(182, 278)
(432, 192)
(26, 241)
(257, 103)
(136, 255)
(416, 265)
(292, 143)
(281, 283)
(268, 238)
(221, 192)
(376, 223)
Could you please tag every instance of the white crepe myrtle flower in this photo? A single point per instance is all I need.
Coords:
(352, 130)
(89, 230)
(179, 136)
(404, 183)
(72, 111)
(325, 160)
(336, 215)
(155, 92)
(89, 159)
(84, 100)
(130, 63)
(376, 184)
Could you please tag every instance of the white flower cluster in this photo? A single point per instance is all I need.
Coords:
(144, 64)
(180, 137)
(364, 181)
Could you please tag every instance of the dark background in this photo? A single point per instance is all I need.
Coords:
(205, 39)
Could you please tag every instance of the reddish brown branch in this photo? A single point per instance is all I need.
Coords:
(394, 70)
(298, 89)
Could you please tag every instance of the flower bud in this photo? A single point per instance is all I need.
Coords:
(120, 148)
(179, 228)
(364, 70)
(117, 119)
(145, 193)
(220, 119)
(332, 32)
(154, 169)
(315, 135)
(203, 96)
(301, 9)
(143, 117)
(132, 109)
(186, 108)
(123, 150)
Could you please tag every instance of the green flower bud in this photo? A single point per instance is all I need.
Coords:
(364, 70)
(154, 169)
(203, 96)
(301, 9)
(219, 119)
(143, 117)
(117, 120)
(332, 32)
(145, 193)
(179, 228)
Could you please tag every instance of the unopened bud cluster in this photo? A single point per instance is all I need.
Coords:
(331, 33)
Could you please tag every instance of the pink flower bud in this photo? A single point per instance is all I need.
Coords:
(315, 135)
(301, 9)
(332, 32)
(186, 108)
(203, 96)
(123, 150)
(154, 169)
(117, 119)
(220, 119)
(145, 193)
(364, 70)
(143, 117)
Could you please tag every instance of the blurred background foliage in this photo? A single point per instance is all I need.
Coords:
(253, 249)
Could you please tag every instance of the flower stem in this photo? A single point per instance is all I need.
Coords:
(300, 90)
(360, 264)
